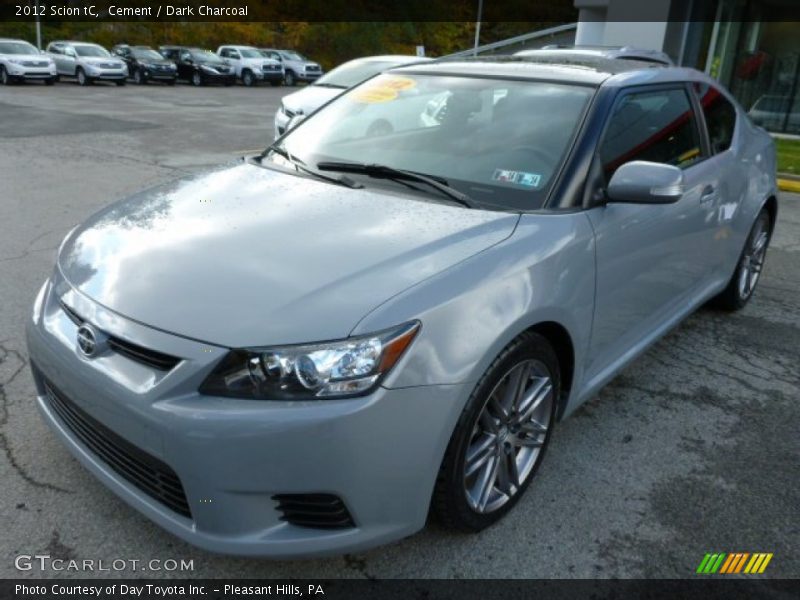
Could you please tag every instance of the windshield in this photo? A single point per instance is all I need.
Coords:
(17, 48)
(250, 53)
(500, 142)
(91, 51)
(354, 72)
(146, 54)
(292, 55)
(206, 56)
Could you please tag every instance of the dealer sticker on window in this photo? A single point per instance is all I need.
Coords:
(518, 177)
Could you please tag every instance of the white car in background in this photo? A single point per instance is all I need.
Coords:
(20, 61)
(333, 83)
(87, 62)
(251, 66)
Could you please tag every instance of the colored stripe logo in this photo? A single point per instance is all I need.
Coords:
(736, 562)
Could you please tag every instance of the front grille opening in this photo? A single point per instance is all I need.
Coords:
(157, 360)
(318, 511)
(152, 476)
(151, 358)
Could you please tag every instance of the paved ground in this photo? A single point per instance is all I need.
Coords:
(693, 449)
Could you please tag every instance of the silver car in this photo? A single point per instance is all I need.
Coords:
(21, 61)
(308, 352)
(296, 67)
(87, 62)
(333, 83)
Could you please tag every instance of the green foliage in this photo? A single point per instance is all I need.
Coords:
(788, 155)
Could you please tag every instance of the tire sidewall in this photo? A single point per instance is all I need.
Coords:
(528, 346)
(5, 78)
(197, 79)
(248, 78)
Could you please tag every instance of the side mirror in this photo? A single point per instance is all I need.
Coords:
(643, 182)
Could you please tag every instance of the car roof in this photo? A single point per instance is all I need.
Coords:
(394, 57)
(613, 52)
(74, 43)
(581, 70)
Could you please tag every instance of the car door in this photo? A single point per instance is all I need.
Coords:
(70, 59)
(56, 52)
(724, 173)
(652, 260)
(185, 65)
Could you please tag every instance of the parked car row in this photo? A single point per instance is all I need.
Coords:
(88, 62)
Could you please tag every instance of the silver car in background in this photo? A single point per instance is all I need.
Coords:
(21, 61)
(296, 67)
(87, 62)
(308, 352)
(333, 83)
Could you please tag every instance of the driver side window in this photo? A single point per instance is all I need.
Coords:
(658, 126)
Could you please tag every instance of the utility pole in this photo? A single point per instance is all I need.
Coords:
(38, 28)
(478, 28)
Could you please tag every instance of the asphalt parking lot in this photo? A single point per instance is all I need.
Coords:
(693, 449)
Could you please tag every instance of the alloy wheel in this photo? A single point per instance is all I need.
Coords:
(508, 436)
(196, 78)
(753, 259)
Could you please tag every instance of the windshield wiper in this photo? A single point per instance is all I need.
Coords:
(301, 166)
(386, 172)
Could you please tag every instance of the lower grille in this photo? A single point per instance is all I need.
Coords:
(146, 472)
(319, 511)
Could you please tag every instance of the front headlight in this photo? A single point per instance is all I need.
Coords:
(346, 368)
(16, 61)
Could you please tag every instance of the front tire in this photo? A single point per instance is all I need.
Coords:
(748, 270)
(197, 79)
(501, 436)
(4, 76)
(82, 78)
(290, 79)
(248, 79)
(139, 78)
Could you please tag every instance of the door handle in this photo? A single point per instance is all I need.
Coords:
(708, 194)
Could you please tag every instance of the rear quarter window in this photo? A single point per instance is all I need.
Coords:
(720, 116)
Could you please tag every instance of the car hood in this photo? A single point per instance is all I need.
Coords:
(310, 98)
(248, 256)
(97, 60)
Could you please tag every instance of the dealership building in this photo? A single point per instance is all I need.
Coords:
(751, 46)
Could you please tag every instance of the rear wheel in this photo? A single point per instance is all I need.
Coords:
(741, 286)
(501, 436)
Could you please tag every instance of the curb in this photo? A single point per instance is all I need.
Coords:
(789, 185)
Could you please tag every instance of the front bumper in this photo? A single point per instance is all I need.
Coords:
(379, 454)
(25, 72)
(309, 76)
(107, 74)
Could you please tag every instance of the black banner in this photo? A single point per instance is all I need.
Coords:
(540, 11)
(733, 588)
